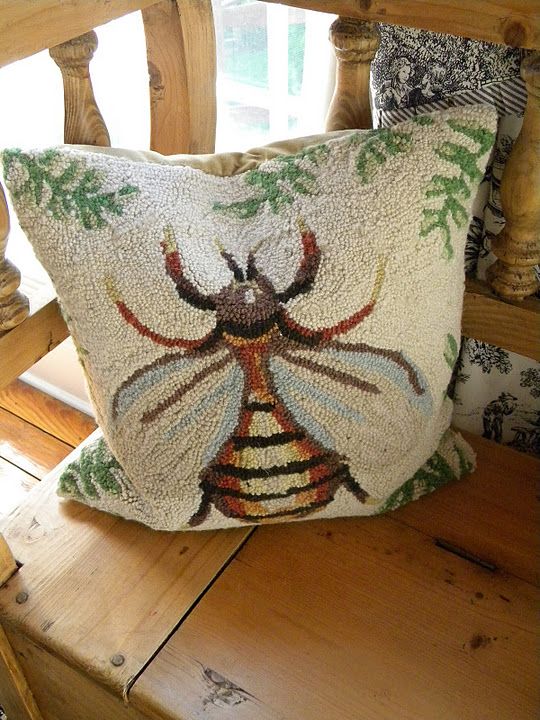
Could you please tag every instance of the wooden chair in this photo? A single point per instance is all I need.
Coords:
(425, 613)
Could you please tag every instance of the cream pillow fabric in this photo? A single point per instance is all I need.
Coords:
(264, 340)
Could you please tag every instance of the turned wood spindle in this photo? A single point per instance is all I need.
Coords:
(517, 247)
(83, 122)
(13, 304)
(355, 43)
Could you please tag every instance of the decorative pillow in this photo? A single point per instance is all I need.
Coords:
(273, 345)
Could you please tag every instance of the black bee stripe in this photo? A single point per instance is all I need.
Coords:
(301, 510)
(260, 406)
(253, 330)
(213, 490)
(296, 466)
(263, 441)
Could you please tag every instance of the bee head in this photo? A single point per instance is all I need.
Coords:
(247, 307)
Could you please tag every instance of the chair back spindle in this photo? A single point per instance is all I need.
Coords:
(83, 122)
(517, 247)
(355, 44)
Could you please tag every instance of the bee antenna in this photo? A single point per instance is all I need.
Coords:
(231, 262)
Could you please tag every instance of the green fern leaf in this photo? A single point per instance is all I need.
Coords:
(453, 189)
(73, 192)
(278, 186)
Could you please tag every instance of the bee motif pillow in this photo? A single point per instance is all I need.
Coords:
(271, 345)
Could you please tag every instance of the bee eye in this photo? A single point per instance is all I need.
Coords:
(249, 296)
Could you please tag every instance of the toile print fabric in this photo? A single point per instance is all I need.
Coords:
(263, 347)
(415, 72)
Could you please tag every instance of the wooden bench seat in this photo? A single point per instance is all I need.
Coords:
(426, 612)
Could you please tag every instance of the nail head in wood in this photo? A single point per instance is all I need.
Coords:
(118, 660)
(21, 597)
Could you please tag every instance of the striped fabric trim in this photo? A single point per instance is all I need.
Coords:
(509, 97)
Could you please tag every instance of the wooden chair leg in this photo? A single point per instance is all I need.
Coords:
(15, 695)
(355, 44)
(517, 247)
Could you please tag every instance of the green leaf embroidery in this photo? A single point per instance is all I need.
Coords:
(464, 465)
(376, 147)
(72, 191)
(453, 189)
(433, 473)
(278, 186)
(451, 351)
(423, 120)
(94, 471)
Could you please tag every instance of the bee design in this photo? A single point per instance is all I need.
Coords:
(271, 457)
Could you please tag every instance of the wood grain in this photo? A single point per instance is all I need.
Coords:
(28, 27)
(47, 413)
(15, 484)
(28, 447)
(23, 346)
(355, 44)
(517, 247)
(63, 693)
(17, 700)
(494, 512)
(114, 587)
(170, 119)
(83, 122)
(13, 304)
(356, 618)
(199, 41)
(511, 22)
(180, 43)
(514, 326)
(181, 53)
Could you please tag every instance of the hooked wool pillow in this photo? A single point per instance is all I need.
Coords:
(272, 345)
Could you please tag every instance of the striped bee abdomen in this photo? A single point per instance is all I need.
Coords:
(270, 468)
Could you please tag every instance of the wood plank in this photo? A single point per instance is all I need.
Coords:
(512, 22)
(101, 586)
(493, 513)
(15, 485)
(63, 693)
(355, 617)
(28, 447)
(511, 325)
(23, 346)
(45, 412)
(28, 27)
(17, 700)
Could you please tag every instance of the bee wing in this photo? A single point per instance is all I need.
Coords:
(367, 404)
(178, 411)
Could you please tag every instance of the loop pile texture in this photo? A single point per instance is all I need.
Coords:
(274, 345)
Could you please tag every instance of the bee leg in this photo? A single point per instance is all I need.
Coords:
(350, 483)
(202, 513)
